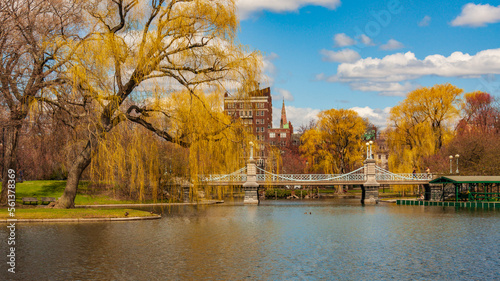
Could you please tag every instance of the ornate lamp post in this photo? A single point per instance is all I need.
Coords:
(367, 151)
(451, 170)
(251, 150)
(456, 156)
(371, 153)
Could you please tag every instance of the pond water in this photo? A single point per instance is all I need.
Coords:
(278, 240)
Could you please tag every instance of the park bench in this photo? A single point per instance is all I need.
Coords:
(47, 200)
(29, 200)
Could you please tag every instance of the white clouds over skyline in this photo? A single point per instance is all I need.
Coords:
(401, 67)
(248, 7)
(302, 116)
(392, 74)
(377, 117)
(477, 15)
(298, 116)
(282, 95)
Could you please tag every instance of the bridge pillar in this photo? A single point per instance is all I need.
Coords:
(251, 186)
(370, 188)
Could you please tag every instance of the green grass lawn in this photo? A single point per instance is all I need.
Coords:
(55, 188)
(47, 213)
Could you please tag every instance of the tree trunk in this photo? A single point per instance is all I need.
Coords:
(82, 161)
(11, 138)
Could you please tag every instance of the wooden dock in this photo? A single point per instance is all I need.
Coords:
(485, 205)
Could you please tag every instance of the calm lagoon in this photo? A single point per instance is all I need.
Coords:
(278, 240)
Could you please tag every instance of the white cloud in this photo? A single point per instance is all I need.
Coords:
(385, 88)
(269, 70)
(342, 40)
(392, 74)
(477, 15)
(392, 45)
(366, 40)
(401, 67)
(297, 115)
(282, 95)
(425, 21)
(376, 116)
(248, 7)
(345, 55)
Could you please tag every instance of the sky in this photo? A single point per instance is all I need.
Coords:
(367, 55)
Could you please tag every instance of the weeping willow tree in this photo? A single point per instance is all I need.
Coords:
(420, 125)
(137, 54)
(135, 161)
(335, 145)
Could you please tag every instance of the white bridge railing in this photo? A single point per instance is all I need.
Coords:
(270, 177)
(354, 176)
(384, 175)
(238, 176)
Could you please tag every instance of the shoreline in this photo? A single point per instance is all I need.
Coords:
(80, 219)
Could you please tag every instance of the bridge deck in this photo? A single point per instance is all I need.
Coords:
(315, 183)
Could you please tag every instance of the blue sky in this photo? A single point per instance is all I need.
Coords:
(367, 55)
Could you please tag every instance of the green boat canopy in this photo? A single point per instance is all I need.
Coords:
(466, 179)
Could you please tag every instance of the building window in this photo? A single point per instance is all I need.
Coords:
(283, 135)
(272, 135)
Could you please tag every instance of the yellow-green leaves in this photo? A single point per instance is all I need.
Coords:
(421, 124)
(335, 145)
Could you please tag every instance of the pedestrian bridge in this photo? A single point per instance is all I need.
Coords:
(357, 177)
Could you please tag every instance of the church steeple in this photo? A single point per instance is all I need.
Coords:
(283, 122)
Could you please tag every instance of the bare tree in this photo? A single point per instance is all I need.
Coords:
(37, 39)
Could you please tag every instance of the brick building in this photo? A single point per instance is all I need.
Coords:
(256, 113)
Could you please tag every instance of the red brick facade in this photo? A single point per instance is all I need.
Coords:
(256, 112)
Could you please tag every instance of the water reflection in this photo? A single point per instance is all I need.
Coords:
(278, 240)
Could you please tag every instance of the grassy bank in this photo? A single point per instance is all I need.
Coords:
(46, 213)
(55, 189)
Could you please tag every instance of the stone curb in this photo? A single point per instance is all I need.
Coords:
(80, 219)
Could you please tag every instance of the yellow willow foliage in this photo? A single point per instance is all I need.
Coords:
(420, 125)
(336, 144)
(128, 161)
(191, 40)
(314, 149)
(218, 146)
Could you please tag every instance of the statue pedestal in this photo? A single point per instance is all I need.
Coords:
(370, 188)
(251, 186)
